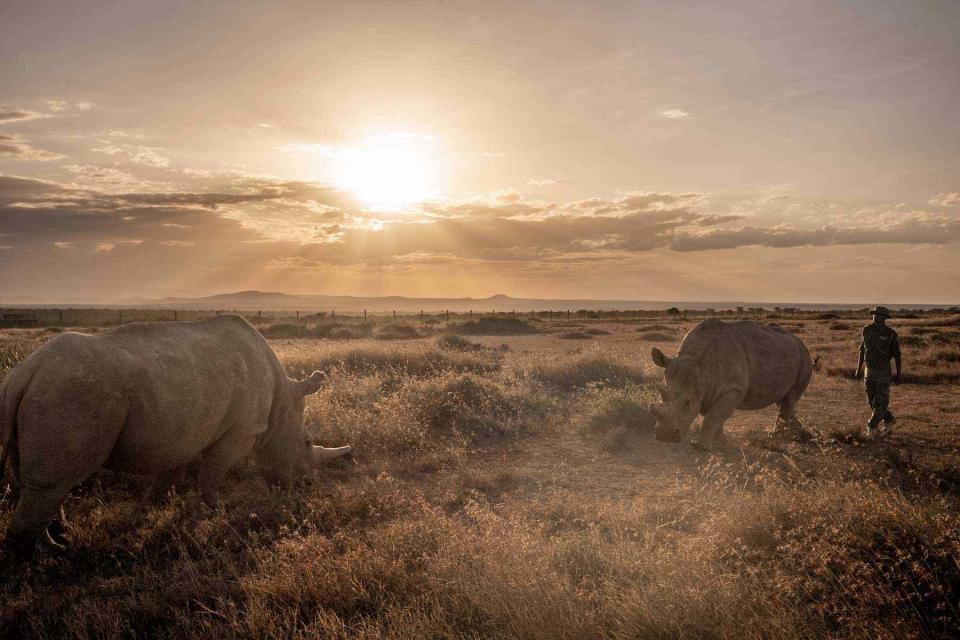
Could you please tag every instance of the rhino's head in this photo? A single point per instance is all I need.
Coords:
(681, 397)
(288, 451)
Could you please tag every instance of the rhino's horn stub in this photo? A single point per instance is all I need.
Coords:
(660, 358)
(324, 455)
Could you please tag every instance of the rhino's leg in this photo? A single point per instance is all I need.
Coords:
(38, 508)
(163, 483)
(711, 431)
(787, 421)
(218, 459)
(65, 434)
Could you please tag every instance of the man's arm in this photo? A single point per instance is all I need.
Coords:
(859, 372)
(895, 349)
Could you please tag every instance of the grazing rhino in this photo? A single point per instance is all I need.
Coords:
(149, 398)
(724, 366)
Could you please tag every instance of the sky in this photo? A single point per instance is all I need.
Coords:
(801, 151)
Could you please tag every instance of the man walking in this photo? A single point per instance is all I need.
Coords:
(879, 345)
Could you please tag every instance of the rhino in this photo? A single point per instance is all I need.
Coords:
(149, 398)
(725, 366)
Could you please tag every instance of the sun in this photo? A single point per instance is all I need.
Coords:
(388, 173)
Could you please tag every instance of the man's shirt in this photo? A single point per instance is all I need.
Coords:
(878, 346)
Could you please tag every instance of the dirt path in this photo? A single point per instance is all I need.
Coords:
(564, 464)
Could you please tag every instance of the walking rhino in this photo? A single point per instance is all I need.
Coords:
(149, 398)
(725, 366)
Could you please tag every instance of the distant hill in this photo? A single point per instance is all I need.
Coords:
(274, 300)
(253, 300)
(279, 301)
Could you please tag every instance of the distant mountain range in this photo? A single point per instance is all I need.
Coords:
(275, 300)
(279, 301)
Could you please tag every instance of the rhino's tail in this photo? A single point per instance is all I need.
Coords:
(8, 425)
(816, 364)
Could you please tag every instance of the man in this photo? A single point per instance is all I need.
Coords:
(879, 345)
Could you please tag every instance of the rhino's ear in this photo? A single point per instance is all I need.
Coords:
(312, 384)
(659, 358)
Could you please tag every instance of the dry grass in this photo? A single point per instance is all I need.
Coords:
(519, 494)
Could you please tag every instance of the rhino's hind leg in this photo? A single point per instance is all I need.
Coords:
(37, 509)
(788, 424)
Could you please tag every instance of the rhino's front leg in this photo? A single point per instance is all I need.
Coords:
(164, 483)
(217, 460)
(711, 431)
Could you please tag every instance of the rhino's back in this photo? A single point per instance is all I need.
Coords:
(184, 384)
(765, 359)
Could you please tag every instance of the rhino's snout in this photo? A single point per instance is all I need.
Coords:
(668, 434)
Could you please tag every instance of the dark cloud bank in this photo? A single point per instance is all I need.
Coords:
(54, 233)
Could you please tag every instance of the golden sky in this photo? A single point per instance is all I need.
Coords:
(659, 150)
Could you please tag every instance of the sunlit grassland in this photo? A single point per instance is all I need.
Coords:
(510, 486)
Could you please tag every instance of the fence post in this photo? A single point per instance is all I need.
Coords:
(364, 314)
(298, 316)
(448, 316)
(120, 317)
(175, 315)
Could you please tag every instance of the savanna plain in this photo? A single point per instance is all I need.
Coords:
(506, 483)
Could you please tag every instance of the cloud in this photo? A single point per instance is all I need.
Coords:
(244, 230)
(918, 230)
(19, 149)
(711, 220)
(8, 114)
(135, 153)
(57, 105)
(946, 199)
(674, 114)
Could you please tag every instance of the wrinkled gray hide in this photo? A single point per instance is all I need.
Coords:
(724, 366)
(149, 398)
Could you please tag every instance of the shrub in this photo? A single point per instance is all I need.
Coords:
(457, 343)
(658, 327)
(597, 332)
(390, 361)
(344, 333)
(493, 326)
(383, 415)
(396, 332)
(581, 370)
(912, 341)
(575, 335)
(656, 336)
(470, 406)
(617, 416)
(323, 330)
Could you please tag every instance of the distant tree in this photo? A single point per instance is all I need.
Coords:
(673, 311)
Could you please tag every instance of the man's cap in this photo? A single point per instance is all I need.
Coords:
(880, 311)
